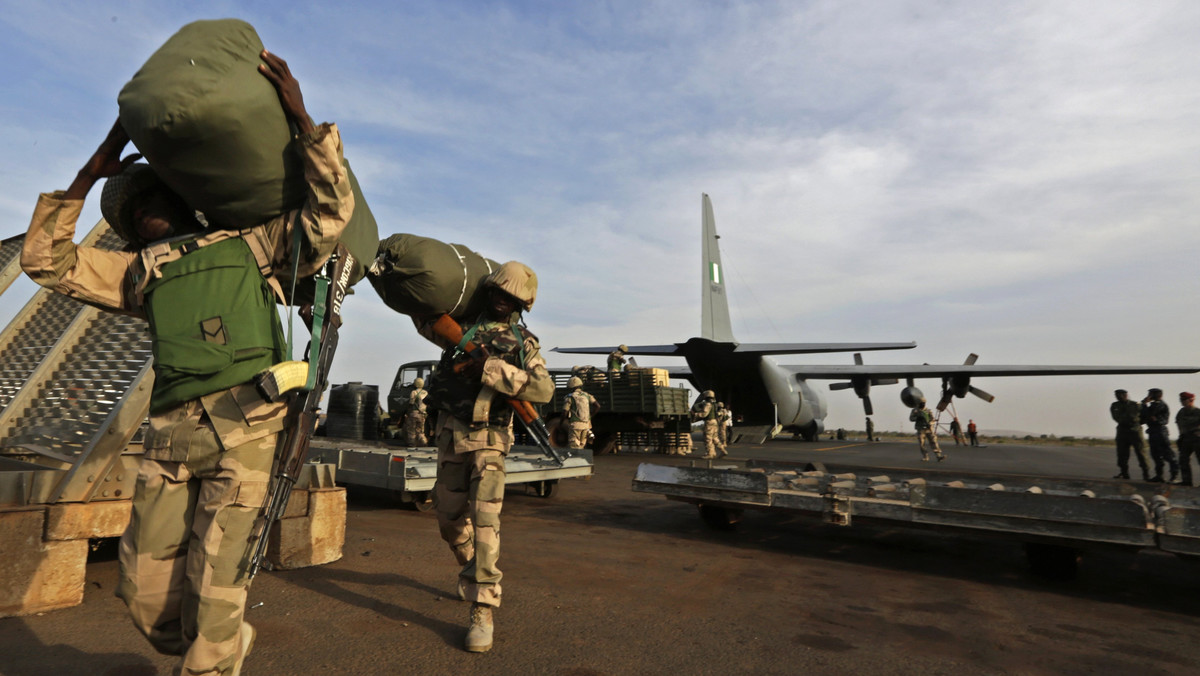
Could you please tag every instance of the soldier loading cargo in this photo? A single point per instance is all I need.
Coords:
(213, 323)
(414, 419)
(579, 407)
(616, 358)
(923, 419)
(497, 359)
(705, 409)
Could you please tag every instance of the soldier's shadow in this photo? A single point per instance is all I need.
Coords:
(325, 579)
(39, 659)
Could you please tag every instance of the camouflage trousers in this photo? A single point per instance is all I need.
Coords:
(927, 436)
(577, 435)
(469, 495)
(712, 439)
(414, 429)
(184, 554)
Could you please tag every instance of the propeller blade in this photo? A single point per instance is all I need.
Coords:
(981, 394)
(841, 386)
(867, 408)
(971, 359)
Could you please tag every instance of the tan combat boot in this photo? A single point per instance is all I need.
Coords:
(479, 632)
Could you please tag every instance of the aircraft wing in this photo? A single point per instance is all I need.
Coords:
(953, 370)
(674, 350)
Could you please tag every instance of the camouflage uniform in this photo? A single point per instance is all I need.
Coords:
(923, 418)
(705, 409)
(414, 420)
(870, 430)
(474, 433)
(724, 416)
(578, 406)
(207, 463)
(616, 360)
(1127, 414)
(1188, 422)
(1156, 414)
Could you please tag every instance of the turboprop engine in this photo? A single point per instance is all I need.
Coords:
(912, 396)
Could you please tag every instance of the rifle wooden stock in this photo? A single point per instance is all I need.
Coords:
(303, 404)
(450, 331)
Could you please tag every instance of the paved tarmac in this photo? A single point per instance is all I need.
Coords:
(601, 580)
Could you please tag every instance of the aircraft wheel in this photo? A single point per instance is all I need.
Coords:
(546, 489)
(558, 429)
(1057, 563)
(720, 518)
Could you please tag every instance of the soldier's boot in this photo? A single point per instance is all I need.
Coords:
(924, 457)
(1122, 475)
(1174, 475)
(244, 647)
(1145, 474)
(941, 456)
(479, 631)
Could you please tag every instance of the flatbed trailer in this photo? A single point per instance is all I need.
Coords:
(409, 472)
(1054, 517)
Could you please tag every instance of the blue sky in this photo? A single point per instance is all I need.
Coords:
(1014, 179)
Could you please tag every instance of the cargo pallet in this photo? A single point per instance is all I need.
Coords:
(1055, 517)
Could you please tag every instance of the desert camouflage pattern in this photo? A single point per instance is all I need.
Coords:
(713, 445)
(184, 555)
(474, 432)
(578, 407)
(926, 440)
(414, 420)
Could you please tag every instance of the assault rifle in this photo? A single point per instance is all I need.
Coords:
(449, 330)
(302, 383)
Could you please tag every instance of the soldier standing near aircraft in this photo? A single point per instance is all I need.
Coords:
(923, 418)
(616, 358)
(1128, 416)
(705, 409)
(956, 431)
(1188, 422)
(724, 421)
(414, 419)
(973, 432)
(579, 407)
(471, 389)
(213, 324)
(1155, 415)
(870, 429)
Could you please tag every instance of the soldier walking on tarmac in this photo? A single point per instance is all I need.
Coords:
(579, 407)
(1188, 422)
(414, 419)
(923, 418)
(213, 326)
(956, 432)
(1155, 415)
(470, 390)
(1128, 416)
(705, 409)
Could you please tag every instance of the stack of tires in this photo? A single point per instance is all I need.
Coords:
(353, 411)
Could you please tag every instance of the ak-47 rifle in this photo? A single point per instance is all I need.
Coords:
(449, 330)
(302, 383)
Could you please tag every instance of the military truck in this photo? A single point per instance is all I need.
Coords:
(388, 463)
(638, 409)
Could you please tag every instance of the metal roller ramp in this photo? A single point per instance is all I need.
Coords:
(74, 389)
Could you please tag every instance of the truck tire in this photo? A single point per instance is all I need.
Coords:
(720, 518)
(605, 442)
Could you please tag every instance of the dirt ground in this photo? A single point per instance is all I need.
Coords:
(601, 580)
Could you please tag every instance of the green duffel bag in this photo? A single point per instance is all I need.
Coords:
(422, 276)
(212, 128)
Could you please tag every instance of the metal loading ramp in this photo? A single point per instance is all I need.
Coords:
(74, 389)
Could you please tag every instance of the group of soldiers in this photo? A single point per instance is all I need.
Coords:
(1154, 413)
(209, 296)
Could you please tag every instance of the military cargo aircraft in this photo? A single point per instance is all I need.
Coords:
(772, 397)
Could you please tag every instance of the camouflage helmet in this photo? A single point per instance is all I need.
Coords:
(517, 280)
(117, 198)
(622, 348)
(708, 394)
(419, 383)
(575, 382)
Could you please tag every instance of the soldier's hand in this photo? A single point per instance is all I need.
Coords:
(103, 163)
(276, 70)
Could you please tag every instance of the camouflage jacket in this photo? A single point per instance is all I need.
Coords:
(704, 409)
(922, 417)
(578, 406)
(109, 280)
(476, 408)
(1126, 413)
(1188, 421)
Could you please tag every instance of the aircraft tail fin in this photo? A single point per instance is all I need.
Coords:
(714, 313)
